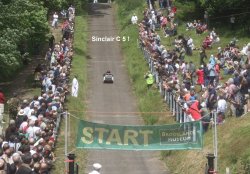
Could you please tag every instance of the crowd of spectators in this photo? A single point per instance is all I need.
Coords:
(29, 139)
(198, 90)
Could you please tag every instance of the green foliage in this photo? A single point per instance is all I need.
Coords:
(52, 5)
(130, 5)
(220, 10)
(23, 27)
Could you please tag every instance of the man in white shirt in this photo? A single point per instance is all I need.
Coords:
(222, 105)
(221, 109)
(97, 167)
(134, 19)
(95, 1)
(75, 86)
(55, 20)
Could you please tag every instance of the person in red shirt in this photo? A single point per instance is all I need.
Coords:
(2, 101)
(200, 75)
(193, 110)
(174, 9)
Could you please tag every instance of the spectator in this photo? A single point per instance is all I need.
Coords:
(221, 109)
(232, 21)
(75, 86)
(96, 168)
(206, 17)
(55, 20)
(190, 46)
(161, 4)
(2, 167)
(134, 19)
(193, 110)
(2, 101)
(200, 75)
(13, 105)
(202, 56)
(205, 116)
(25, 166)
(149, 79)
(212, 97)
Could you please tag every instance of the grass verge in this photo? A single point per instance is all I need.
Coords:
(233, 145)
(148, 100)
(75, 105)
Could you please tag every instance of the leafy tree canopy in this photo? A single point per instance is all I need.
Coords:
(22, 22)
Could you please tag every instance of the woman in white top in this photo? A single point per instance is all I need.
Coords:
(55, 20)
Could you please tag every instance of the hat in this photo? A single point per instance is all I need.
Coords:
(54, 108)
(236, 62)
(25, 101)
(21, 112)
(97, 166)
(12, 122)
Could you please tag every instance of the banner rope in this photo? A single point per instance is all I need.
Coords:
(120, 112)
(74, 116)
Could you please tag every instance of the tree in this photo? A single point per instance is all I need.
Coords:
(22, 23)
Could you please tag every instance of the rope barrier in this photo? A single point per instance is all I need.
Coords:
(119, 113)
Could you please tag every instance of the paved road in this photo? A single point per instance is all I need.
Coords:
(117, 97)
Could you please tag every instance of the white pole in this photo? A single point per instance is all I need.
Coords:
(69, 127)
(216, 143)
(150, 5)
(66, 140)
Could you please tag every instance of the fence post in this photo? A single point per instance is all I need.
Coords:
(215, 142)
(151, 64)
(66, 137)
(77, 168)
(71, 158)
(210, 161)
(182, 116)
(174, 106)
(178, 112)
(185, 117)
(170, 101)
(160, 87)
(165, 95)
(157, 77)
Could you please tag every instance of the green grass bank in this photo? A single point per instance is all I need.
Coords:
(148, 100)
(75, 106)
(233, 140)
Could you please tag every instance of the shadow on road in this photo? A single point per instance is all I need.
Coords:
(95, 9)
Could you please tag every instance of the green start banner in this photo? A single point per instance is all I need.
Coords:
(161, 137)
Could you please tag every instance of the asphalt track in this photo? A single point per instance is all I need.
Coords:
(113, 98)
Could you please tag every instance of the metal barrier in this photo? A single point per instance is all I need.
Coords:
(169, 97)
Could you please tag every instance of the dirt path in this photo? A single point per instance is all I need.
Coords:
(22, 83)
(117, 97)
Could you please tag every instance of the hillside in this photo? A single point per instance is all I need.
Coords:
(233, 135)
